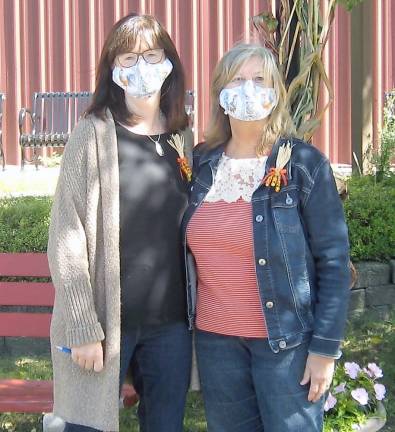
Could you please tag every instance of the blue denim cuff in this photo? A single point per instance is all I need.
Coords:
(325, 347)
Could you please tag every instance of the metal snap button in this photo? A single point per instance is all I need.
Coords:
(282, 344)
(262, 262)
(269, 304)
(259, 218)
(289, 200)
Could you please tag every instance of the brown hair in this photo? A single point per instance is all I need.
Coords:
(121, 39)
(279, 122)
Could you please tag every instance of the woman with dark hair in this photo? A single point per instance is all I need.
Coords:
(114, 246)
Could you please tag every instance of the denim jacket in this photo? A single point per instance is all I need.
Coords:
(301, 249)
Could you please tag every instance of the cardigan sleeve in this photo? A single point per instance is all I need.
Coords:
(67, 246)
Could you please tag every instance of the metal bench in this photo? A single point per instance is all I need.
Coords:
(53, 117)
(2, 156)
(31, 396)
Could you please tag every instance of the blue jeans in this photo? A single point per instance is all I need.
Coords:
(159, 358)
(248, 388)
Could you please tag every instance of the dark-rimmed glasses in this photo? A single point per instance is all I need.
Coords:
(151, 56)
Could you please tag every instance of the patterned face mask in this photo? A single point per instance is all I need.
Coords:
(143, 79)
(248, 102)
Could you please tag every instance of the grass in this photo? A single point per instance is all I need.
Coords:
(194, 416)
(368, 340)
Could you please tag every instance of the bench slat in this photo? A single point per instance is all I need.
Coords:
(24, 264)
(26, 294)
(21, 324)
(26, 396)
(37, 396)
(30, 396)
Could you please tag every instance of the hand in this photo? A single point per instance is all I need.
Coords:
(88, 356)
(319, 371)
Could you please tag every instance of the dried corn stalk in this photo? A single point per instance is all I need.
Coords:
(298, 35)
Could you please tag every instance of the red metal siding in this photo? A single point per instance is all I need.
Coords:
(334, 135)
(54, 45)
(383, 78)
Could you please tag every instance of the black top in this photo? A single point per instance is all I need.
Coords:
(153, 196)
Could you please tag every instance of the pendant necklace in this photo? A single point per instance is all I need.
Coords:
(158, 146)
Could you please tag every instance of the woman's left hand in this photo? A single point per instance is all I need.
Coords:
(319, 371)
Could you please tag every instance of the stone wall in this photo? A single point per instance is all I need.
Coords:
(374, 290)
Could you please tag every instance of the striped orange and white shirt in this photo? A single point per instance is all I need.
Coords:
(220, 237)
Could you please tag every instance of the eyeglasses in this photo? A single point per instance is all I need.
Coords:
(260, 81)
(151, 56)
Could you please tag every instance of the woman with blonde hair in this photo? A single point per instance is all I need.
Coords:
(115, 250)
(268, 284)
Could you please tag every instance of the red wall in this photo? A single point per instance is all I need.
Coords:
(53, 45)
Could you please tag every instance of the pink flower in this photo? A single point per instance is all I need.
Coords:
(380, 391)
(340, 388)
(352, 369)
(330, 402)
(376, 371)
(360, 395)
(368, 372)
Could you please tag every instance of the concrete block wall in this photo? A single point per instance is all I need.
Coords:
(374, 290)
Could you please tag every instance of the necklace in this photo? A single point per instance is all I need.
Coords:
(158, 146)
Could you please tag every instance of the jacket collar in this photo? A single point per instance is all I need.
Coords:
(212, 156)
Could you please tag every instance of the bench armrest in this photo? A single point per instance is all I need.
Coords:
(22, 116)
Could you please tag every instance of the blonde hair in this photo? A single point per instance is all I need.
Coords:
(279, 122)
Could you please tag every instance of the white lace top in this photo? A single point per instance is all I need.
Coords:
(236, 178)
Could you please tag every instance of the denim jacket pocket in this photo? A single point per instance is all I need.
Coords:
(285, 212)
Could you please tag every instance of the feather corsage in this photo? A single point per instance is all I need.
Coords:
(177, 142)
(277, 175)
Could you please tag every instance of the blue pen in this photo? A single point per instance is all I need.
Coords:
(63, 349)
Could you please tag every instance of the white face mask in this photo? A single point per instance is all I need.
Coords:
(142, 79)
(248, 102)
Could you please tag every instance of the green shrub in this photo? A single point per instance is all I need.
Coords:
(24, 223)
(370, 213)
(369, 208)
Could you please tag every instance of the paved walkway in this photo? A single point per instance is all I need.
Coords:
(29, 181)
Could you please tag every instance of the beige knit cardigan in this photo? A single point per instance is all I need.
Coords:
(83, 252)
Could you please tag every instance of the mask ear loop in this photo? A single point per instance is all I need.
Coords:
(167, 89)
(164, 93)
(226, 112)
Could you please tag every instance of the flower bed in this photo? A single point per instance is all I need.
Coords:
(354, 398)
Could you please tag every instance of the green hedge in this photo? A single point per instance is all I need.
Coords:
(369, 208)
(24, 223)
(370, 213)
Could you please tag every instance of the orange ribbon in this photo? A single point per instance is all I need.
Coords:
(185, 168)
(275, 177)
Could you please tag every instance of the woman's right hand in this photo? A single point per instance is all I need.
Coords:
(88, 356)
